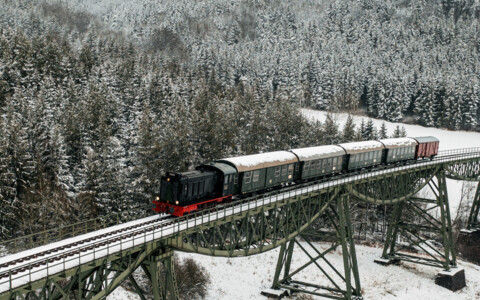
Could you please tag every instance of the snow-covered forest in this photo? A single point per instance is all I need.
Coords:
(98, 98)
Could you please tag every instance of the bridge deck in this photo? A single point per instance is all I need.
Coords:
(60, 260)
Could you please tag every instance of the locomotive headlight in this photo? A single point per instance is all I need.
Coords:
(176, 202)
(157, 198)
(168, 179)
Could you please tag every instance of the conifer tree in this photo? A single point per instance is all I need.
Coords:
(349, 130)
(382, 133)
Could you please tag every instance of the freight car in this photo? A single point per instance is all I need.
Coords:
(228, 178)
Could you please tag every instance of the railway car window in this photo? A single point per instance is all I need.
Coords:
(306, 166)
(353, 158)
(256, 175)
(370, 155)
(335, 162)
(319, 164)
(248, 177)
(284, 171)
(290, 169)
(329, 163)
(235, 181)
(230, 179)
(277, 171)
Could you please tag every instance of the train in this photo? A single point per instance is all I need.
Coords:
(227, 179)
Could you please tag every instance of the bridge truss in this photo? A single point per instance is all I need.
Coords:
(92, 266)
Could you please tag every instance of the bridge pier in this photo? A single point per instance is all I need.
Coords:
(409, 219)
(473, 222)
(468, 243)
(159, 268)
(341, 286)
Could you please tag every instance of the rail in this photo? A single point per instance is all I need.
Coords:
(64, 260)
(48, 236)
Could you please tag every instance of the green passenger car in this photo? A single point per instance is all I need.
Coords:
(363, 154)
(319, 161)
(261, 171)
(399, 149)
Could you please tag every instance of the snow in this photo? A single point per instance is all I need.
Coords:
(362, 146)
(91, 235)
(312, 153)
(244, 278)
(262, 160)
(149, 233)
(399, 142)
(449, 140)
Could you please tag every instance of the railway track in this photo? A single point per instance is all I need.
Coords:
(65, 250)
(75, 247)
(96, 244)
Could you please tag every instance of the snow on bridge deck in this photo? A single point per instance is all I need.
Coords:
(99, 251)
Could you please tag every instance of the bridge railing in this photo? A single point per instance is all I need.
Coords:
(458, 151)
(48, 236)
(66, 259)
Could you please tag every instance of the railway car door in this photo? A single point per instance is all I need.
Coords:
(228, 185)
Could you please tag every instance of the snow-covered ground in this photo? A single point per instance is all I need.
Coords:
(245, 278)
(448, 140)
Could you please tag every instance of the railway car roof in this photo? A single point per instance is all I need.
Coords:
(319, 152)
(399, 142)
(260, 161)
(426, 139)
(360, 147)
(226, 169)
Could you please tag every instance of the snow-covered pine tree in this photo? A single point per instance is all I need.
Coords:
(348, 134)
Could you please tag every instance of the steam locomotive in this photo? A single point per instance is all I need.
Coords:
(229, 178)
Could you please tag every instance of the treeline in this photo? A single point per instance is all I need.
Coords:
(88, 132)
(415, 61)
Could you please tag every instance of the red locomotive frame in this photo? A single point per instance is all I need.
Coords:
(179, 211)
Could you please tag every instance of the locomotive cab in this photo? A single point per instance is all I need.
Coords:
(181, 193)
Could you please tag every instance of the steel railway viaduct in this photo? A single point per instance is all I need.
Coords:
(91, 266)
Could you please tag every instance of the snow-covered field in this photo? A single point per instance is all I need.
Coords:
(448, 140)
(245, 278)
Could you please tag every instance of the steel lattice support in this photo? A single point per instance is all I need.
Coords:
(412, 220)
(341, 286)
(98, 279)
(473, 222)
